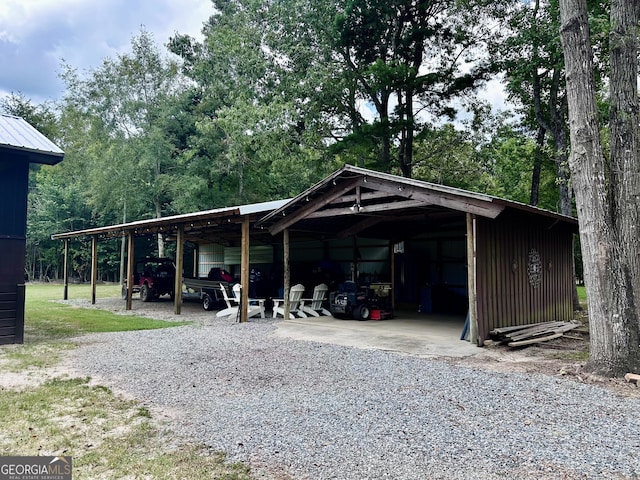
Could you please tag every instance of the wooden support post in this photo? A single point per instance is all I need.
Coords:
(287, 272)
(130, 266)
(177, 288)
(471, 279)
(244, 272)
(65, 269)
(392, 260)
(94, 268)
(354, 260)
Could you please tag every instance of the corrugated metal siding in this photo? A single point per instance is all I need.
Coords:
(505, 295)
(210, 256)
(257, 254)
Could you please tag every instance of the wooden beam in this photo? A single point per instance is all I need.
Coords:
(244, 271)
(313, 206)
(530, 341)
(471, 279)
(130, 266)
(177, 288)
(364, 209)
(94, 268)
(484, 208)
(65, 269)
(364, 196)
(392, 254)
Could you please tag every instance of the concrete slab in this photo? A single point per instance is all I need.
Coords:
(411, 334)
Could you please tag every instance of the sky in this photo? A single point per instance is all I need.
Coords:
(36, 35)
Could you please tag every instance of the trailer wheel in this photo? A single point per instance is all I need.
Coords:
(207, 302)
(146, 293)
(361, 312)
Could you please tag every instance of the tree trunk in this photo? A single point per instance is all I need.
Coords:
(609, 254)
(383, 112)
(123, 245)
(534, 197)
(625, 156)
(408, 126)
(564, 174)
(160, 237)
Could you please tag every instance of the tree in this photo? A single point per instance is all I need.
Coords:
(531, 58)
(123, 110)
(407, 58)
(607, 189)
(255, 128)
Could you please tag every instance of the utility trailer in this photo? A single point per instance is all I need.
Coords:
(209, 292)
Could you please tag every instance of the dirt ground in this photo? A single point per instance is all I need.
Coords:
(563, 357)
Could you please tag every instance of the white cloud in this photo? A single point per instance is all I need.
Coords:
(36, 34)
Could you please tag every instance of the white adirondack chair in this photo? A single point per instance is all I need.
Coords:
(313, 306)
(232, 305)
(256, 305)
(295, 303)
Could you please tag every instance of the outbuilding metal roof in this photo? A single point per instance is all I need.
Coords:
(356, 200)
(17, 135)
(195, 224)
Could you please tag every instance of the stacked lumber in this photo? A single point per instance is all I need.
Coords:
(518, 336)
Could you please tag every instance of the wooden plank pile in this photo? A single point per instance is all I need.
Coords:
(521, 335)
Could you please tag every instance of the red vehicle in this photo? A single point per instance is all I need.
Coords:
(153, 277)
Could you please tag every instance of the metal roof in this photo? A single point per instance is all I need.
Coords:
(357, 200)
(17, 135)
(196, 224)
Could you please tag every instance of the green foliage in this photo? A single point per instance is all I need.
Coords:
(416, 55)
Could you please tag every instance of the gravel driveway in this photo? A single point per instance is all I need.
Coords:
(305, 410)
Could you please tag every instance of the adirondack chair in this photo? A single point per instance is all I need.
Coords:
(295, 303)
(232, 305)
(313, 306)
(256, 305)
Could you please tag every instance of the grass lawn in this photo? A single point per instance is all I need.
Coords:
(52, 320)
(107, 436)
(582, 296)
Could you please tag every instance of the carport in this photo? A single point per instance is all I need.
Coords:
(231, 226)
(445, 249)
